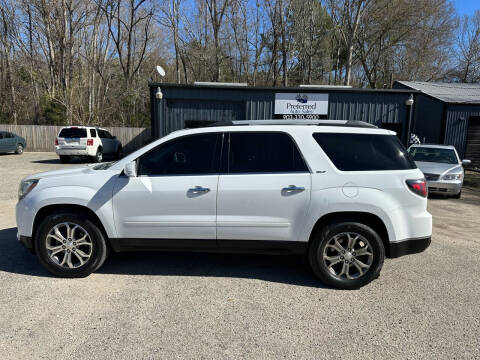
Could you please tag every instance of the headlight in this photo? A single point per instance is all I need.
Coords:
(452, 177)
(25, 187)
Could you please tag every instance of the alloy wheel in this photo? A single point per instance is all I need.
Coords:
(69, 245)
(348, 255)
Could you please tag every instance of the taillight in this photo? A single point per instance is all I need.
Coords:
(89, 142)
(419, 187)
(56, 141)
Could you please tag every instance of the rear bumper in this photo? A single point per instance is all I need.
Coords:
(75, 151)
(444, 187)
(409, 246)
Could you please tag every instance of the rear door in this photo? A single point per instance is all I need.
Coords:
(10, 141)
(265, 191)
(107, 142)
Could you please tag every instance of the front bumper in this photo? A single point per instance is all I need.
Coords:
(26, 241)
(445, 187)
(409, 246)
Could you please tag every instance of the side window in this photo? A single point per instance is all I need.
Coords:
(364, 152)
(9, 135)
(93, 133)
(188, 155)
(2, 135)
(264, 152)
(101, 134)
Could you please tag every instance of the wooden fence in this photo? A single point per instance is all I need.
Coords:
(42, 138)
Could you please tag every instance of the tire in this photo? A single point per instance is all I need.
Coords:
(64, 159)
(98, 158)
(458, 196)
(19, 149)
(119, 153)
(93, 255)
(367, 241)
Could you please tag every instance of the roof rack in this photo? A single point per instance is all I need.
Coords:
(347, 123)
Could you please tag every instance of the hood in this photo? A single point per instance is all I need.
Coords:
(62, 172)
(437, 168)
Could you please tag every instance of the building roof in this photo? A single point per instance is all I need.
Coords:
(309, 89)
(455, 93)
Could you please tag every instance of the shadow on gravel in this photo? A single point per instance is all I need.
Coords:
(17, 259)
(287, 269)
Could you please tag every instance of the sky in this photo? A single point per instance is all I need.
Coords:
(466, 7)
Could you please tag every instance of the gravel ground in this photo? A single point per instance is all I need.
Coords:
(174, 305)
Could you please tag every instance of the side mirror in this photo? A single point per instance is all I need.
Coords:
(114, 137)
(466, 162)
(130, 169)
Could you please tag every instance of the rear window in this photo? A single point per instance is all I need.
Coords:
(365, 152)
(73, 133)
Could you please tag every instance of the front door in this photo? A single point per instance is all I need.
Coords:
(265, 192)
(174, 195)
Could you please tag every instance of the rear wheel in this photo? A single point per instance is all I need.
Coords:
(64, 159)
(19, 149)
(98, 156)
(70, 245)
(346, 255)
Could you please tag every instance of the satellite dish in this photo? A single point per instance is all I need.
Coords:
(160, 70)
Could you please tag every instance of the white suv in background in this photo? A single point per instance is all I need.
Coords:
(345, 194)
(86, 141)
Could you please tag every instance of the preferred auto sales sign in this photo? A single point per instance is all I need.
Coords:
(301, 105)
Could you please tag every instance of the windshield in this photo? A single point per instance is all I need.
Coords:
(73, 133)
(436, 155)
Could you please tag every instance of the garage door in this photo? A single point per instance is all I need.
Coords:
(473, 141)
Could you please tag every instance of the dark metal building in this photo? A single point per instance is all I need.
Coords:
(176, 107)
(447, 114)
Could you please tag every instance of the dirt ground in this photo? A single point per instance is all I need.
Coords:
(177, 305)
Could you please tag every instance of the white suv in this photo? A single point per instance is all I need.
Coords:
(87, 142)
(344, 194)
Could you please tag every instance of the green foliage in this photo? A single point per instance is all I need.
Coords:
(53, 112)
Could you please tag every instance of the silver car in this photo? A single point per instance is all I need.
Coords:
(441, 166)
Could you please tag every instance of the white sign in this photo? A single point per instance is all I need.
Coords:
(301, 104)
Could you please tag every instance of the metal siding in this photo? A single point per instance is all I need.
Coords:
(456, 129)
(428, 119)
(216, 104)
(372, 108)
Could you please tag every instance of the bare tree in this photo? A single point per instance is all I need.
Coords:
(469, 48)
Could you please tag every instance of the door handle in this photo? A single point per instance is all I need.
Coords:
(293, 188)
(198, 190)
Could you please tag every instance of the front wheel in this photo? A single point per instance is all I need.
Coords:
(346, 255)
(19, 149)
(70, 245)
(119, 153)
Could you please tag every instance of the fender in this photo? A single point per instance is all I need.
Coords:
(332, 200)
(99, 201)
